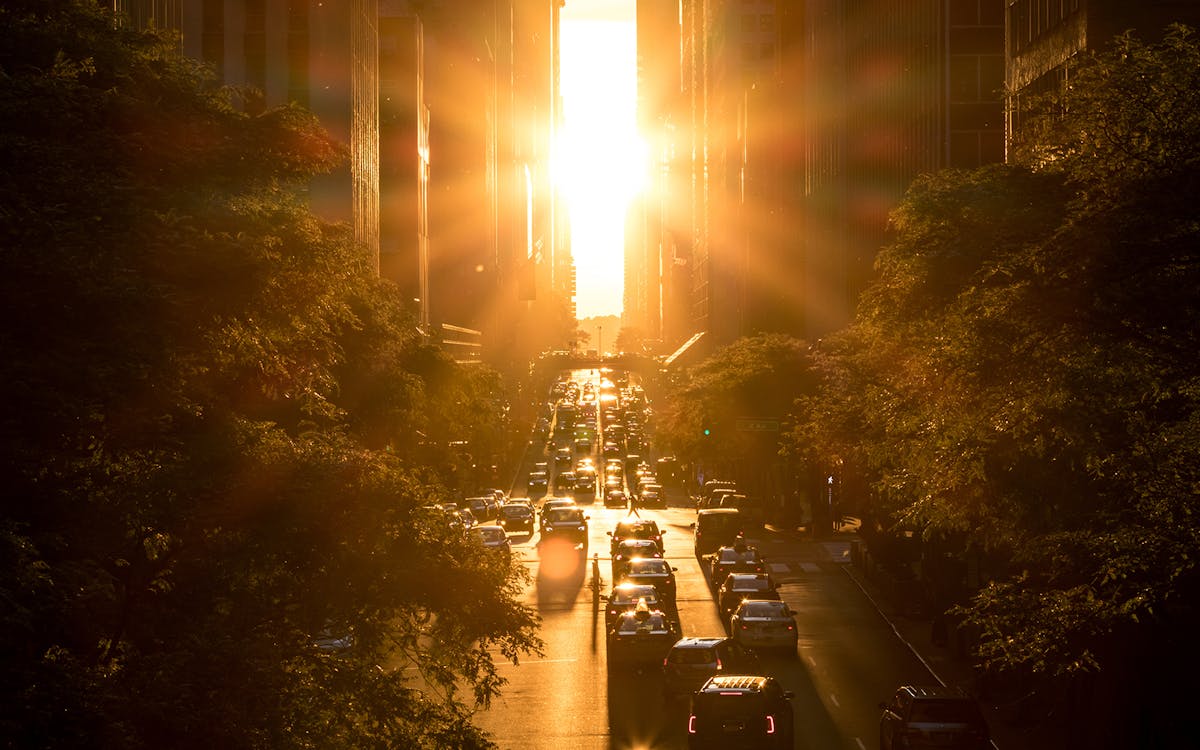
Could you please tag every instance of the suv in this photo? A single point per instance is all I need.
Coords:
(742, 711)
(941, 717)
(693, 660)
(716, 528)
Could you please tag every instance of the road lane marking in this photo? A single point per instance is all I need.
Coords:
(859, 742)
(833, 699)
(778, 567)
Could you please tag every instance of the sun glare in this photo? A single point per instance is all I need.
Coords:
(600, 160)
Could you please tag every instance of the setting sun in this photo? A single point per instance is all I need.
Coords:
(600, 160)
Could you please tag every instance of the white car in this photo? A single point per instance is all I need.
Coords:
(764, 624)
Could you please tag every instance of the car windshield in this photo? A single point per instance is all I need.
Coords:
(692, 656)
(731, 555)
(564, 515)
(630, 594)
(516, 511)
(944, 711)
(751, 584)
(490, 535)
(764, 609)
(649, 566)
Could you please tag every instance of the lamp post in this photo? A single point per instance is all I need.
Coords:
(600, 340)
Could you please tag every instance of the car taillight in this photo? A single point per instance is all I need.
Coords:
(770, 724)
(718, 663)
(791, 627)
(692, 724)
(745, 626)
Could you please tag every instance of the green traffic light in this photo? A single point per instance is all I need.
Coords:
(707, 431)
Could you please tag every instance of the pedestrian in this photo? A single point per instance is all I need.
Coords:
(632, 506)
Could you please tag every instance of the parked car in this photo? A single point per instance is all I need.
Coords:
(483, 507)
(742, 711)
(692, 661)
(764, 624)
(492, 537)
(946, 718)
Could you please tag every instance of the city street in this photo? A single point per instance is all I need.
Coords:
(849, 658)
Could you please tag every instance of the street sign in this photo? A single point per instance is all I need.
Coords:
(745, 424)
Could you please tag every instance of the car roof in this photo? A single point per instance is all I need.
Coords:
(735, 682)
(718, 512)
(936, 692)
(700, 641)
(735, 578)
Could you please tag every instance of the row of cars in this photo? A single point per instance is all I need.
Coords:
(731, 703)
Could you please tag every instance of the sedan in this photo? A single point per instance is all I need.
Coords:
(630, 549)
(655, 571)
(516, 517)
(739, 586)
(763, 624)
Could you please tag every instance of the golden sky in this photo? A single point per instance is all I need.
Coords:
(600, 161)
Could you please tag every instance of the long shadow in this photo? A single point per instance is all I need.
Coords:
(561, 572)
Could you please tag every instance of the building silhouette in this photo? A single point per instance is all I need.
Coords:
(449, 108)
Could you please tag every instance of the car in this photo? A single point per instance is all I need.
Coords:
(483, 507)
(654, 571)
(636, 528)
(625, 596)
(739, 586)
(764, 624)
(751, 507)
(932, 717)
(715, 528)
(466, 519)
(741, 711)
(652, 495)
(614, 498)
(539, 482)
(516, 517)
(640, 636)
(738, 558)
(491, 536)
(557, 502)
(691, 661)
(629, 549)
(568, 523)
(566, 480)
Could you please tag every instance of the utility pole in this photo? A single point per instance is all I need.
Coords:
(600, 340)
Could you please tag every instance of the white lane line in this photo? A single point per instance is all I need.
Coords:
(858, 741)
(778, 567)
(810, 567)
(833, 699)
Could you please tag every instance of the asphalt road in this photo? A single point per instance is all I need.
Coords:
(848, 657)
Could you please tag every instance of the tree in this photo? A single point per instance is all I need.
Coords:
(754, 377)
(1022, 376)
(207, 458)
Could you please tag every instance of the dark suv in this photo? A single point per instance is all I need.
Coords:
(741, 711)
(939, 717)
(692, 661)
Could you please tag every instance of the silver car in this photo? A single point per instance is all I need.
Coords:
(762, 624)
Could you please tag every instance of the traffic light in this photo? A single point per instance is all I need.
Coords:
(706, 429)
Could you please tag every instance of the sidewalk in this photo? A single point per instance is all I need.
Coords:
(948, 666)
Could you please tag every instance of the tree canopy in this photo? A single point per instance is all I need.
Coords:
(213, 452)
(1022, 373)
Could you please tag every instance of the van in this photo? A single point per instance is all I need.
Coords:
(752, 509)
(715, 528)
